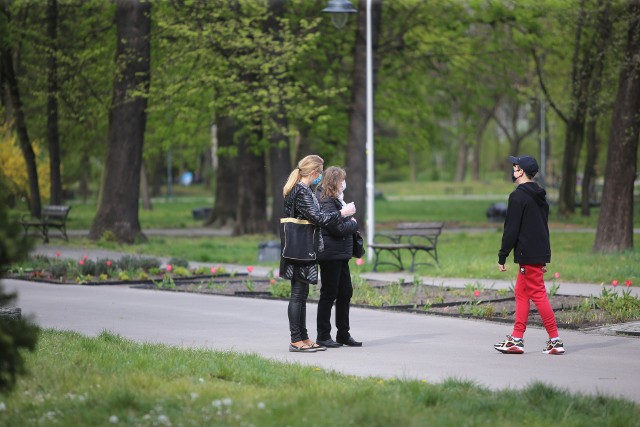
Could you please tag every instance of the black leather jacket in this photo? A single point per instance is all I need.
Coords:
(301, 203)
(337, 236)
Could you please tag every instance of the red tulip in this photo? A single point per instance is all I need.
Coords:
(108, 263)
(250, 269)
(556, 275)
(273, 281)
(86, 257)
(628, 283)
(614, 283)
(81, 262)
(169, 268)
(213, 270)
(58, 254)
(476, 293)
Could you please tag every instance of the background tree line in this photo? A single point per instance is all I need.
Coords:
(108, 92)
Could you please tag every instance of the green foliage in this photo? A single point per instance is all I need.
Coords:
(179, 262)
(280, 288)
(16, 335)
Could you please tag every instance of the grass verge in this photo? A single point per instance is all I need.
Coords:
(75, 380)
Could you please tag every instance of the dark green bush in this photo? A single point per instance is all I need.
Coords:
(15, 335)
(179, 262)
(133, 263)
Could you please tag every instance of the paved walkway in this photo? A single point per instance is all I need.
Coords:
(398, 345)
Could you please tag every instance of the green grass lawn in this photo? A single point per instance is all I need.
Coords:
(80, 381)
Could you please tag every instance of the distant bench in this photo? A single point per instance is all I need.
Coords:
(52, 216)
(414, 237)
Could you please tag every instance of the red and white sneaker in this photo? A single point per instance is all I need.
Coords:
(554, 347)
(510, 346)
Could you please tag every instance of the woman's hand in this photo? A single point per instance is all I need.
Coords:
(348, 210)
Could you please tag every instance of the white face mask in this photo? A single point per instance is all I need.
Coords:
(344, 186)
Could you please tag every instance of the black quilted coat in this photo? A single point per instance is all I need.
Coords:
(303, 204)
(337, 236)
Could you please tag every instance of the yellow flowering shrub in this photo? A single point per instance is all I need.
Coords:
(13, 166)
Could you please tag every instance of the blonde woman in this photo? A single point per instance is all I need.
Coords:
(300, 202)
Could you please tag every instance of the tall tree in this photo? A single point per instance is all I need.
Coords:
(17, 107)
(53, 136)
(615, 224)
(120, 189)
(605, 30)
(279, 145)
(224, 210)
(591, 28)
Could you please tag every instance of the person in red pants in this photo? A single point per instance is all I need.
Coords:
(526, 232)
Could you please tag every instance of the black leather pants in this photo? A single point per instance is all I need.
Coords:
(336, 288)
(298, 311)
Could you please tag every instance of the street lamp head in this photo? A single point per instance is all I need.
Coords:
(339, 10)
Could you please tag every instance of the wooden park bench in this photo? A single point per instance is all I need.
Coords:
(52, 216)
(414, 237)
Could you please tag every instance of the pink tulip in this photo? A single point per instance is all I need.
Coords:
(58, 254)
(250, 269)
(476, 293)
(169, 268)
(628, 283)
(277, 274)
(556, 275)
(614, 283)
(108, 263)
(86, 257)
(359, 261)
(213, 270)
(81, 262)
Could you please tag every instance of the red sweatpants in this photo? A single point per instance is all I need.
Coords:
(530, 286)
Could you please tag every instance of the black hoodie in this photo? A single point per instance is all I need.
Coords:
(526, 228)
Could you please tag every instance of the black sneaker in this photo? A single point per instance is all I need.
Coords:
(554, 347)
(510, 346)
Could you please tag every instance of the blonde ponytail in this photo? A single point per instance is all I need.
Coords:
(306, 166)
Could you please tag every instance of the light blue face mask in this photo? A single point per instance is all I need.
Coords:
(317, 180)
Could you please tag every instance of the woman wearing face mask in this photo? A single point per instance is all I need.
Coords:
(300, 202)
(334, 263)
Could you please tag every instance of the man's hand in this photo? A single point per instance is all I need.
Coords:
(502, 268)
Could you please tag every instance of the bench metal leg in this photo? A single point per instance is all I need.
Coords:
(394, 252)
(414, 252)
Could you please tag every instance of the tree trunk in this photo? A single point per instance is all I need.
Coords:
(356, 156)
(603, 35)
(224, 207)
(280, 163)
(461, 160)
(279, 151)
(144, 189)
(21, 128)
(615, 225)
(573, 144)
(120, 188)
(158, 170)
(251, 192)
(53, 135)
(589, 175)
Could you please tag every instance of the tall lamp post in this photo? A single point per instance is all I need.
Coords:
(339, 10)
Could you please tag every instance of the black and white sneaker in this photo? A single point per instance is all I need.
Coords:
(510, 346)
(554, 347)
